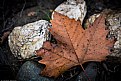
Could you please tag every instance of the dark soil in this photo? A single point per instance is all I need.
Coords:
(14, 13)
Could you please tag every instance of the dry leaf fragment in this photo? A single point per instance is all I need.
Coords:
(75, 45)
(31, 13)
(4, 37)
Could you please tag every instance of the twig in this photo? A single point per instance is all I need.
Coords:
(22, 9)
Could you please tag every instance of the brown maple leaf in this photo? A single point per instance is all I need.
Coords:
(75, 45)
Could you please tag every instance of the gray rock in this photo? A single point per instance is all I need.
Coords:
(113, 22)
(89, 74)
(30, 71)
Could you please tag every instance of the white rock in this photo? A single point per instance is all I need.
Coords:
(24, 40)
(73, 9)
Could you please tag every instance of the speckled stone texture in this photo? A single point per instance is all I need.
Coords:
(24, 40)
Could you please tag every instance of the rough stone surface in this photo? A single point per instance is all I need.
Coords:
(73, 9)
(113, 22)
(30, 71)
(24, 40)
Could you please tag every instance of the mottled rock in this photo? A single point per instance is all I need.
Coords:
(113, 22)
(24, 40)
(30, 71)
